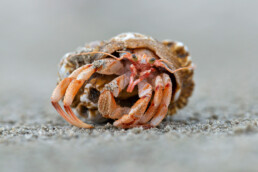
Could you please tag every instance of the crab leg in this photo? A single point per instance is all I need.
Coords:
(133, 74)
(163, 108)
(70, 87)
(108, 107)
(72, 90)
(107, 104)
(138, 109)
(155, 101)
(164, 98)
(118, 84)
(104, 66)
(59, 92)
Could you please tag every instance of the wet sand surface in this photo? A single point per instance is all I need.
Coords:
(217, 131)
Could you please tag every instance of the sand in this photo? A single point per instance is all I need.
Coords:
(217, 131)
(201, 137)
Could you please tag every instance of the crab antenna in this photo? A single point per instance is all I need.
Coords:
(96, 53)
(183, 68)
(193, 66)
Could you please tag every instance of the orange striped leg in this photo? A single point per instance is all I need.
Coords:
(60, 90)
(107, 105)
(163, 108)
(103, 66)
(155, 101)
(138, 109)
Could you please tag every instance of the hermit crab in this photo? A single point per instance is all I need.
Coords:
(132, 79)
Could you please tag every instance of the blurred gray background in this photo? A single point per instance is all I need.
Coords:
(222, 39)
(221, 35)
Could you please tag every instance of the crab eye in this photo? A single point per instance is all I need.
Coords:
(152, 60)
(134, 57)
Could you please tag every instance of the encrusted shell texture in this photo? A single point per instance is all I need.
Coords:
(175, 52)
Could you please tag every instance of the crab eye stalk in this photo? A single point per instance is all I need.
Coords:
(152, 60)
(134, 57)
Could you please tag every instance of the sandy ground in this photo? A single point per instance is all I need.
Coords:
(201, 137)
(217, 131)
